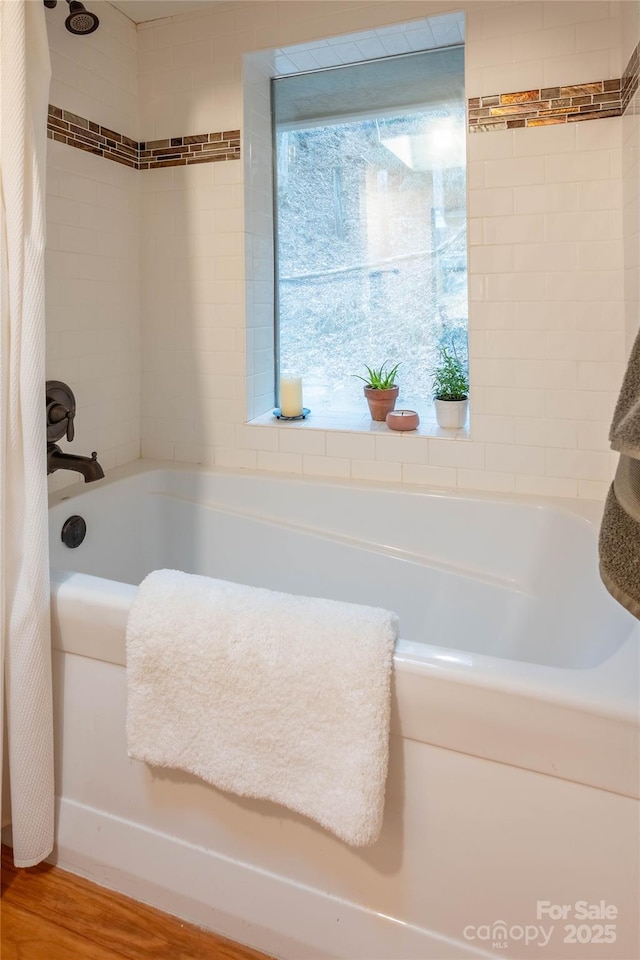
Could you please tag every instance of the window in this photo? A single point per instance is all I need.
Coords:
(370, 214)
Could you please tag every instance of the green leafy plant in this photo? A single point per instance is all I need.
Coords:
(450, 378)
(381, 378)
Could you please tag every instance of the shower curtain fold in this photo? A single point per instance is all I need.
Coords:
(24, 585)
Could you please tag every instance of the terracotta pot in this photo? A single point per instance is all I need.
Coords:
(381, 401)
(451, 414)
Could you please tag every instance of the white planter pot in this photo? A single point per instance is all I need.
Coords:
(451, 414)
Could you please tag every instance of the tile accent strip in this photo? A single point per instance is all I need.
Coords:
(69, 128)
(181, 151)
(545, 106)
(549, 105)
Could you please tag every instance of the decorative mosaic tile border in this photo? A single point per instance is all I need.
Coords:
(550, 105)
(546, 106)
(181, 151)
(69, 128)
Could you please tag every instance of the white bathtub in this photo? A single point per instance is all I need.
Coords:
(515, 739)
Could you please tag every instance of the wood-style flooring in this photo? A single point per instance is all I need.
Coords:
(49, 914)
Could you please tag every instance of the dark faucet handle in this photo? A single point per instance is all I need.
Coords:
(61, 409)
(57, 414)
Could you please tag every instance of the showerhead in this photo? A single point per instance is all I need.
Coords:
(80, 21)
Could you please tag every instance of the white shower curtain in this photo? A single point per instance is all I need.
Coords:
(25, 73)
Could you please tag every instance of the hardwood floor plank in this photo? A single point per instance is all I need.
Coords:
(42, 899)
(28, 937)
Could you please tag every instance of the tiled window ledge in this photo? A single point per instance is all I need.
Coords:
(360, 423)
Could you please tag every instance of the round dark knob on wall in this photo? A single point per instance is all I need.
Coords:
(74, 531)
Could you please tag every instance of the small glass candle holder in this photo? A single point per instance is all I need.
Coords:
(403, 420)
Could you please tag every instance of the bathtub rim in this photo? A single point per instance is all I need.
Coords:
(543, 682)
(587, 510)
(486, 715)
(562, 686)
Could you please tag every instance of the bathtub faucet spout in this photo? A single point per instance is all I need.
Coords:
(87, 466)
(61, 412)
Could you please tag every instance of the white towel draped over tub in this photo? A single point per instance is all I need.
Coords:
(264, 694)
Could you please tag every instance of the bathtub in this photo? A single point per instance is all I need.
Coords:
(511, 813)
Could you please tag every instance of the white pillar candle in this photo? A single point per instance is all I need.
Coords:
(291, 396)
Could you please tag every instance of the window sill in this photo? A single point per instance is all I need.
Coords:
(360, 423)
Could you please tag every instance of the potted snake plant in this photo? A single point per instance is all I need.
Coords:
(450, 391)
(380, 389)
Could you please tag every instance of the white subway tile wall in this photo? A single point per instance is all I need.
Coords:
(553, 232)
(92, 260)
(545, 226)
(630, 22)
(98, 77)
